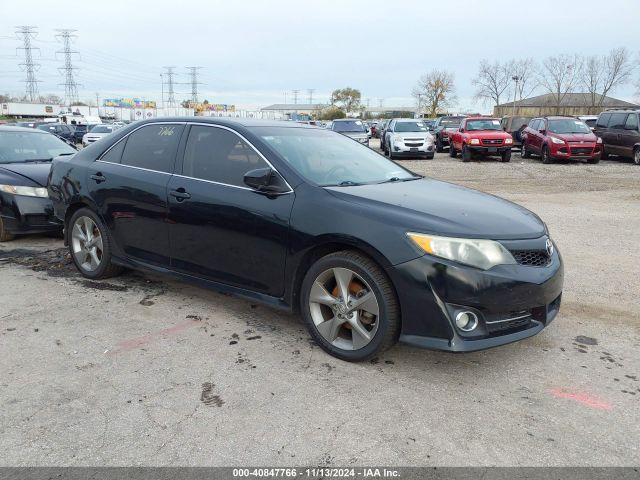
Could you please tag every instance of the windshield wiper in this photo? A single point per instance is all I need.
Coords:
(398, 179)
(33, 160)
(344, 183)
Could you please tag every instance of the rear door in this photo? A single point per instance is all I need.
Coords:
(129, 187)
(615, 132)
(630, 135)
(219, 228)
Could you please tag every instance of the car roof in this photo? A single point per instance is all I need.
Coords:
(229, 122)
(11, 128)
(481, 118)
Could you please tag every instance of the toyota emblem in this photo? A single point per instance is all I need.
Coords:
(549, 247)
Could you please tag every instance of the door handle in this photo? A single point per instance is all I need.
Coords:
(180, 194)
(98, 177)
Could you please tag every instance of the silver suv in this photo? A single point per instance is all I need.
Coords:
(352, 128)
(408, 137)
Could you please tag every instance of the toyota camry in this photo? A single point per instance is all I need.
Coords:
(309, 220)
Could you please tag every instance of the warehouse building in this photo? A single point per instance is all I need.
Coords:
(571, 104)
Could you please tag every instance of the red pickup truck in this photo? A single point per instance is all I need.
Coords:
(482, 136)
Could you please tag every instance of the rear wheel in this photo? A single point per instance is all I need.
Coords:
(90, 245)
(466, 154)
(636, 156)
(546, 158)
(439, 145)
(524, 152)
(452, 151)
(349, 306)
(5, 236)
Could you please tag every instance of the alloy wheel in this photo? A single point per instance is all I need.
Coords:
(344, 308)
(636, 156)
(86, 244)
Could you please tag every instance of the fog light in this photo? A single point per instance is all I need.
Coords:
(466, 321)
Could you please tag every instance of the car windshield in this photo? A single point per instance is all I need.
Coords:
(411, 127)
(25, 146)
(103, 129)
(328, 159)
(568, 125)
(348, 126)
(518, 122)
(451, 122)
(484, 124)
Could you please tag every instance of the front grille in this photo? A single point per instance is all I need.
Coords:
(512, 322)
(490, 141)
(531, 258)
(581, 150)
(413, 144)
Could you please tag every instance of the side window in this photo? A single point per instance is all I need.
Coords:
(541, 125)
(153, 147)
(632, 122)
(114, 155)
(617, 120)
(603, 120)
(219, 155)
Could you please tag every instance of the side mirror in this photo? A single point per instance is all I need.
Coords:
(543, 132)
(265, 180)
(461, 129)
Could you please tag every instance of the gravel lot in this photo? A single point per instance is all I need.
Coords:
(141, 370)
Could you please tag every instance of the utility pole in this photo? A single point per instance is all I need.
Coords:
(380, 102)
(193, 72)
(295, 96)
(516, 79)
(310, 92)
(171, 98)
(70, 85)
(31, 84)
(285, 97)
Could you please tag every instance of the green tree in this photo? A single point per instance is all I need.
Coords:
(347, 99)
(331, 113)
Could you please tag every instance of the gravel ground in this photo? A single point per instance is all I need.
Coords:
(141, 370)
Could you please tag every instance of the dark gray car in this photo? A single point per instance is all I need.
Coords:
(353, 128)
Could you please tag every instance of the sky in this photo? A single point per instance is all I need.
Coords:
(253, 51)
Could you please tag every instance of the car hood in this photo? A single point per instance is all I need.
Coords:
(575, 137)
(421, 135)
(488, 134)
(441, 208)
(36, 172)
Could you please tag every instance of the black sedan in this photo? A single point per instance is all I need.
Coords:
(307, 219)
(25, 161)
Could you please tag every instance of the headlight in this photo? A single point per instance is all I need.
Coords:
(508, 141)
(478, 253)
(25, 191)
(474, 141)
(599, 140)
(397, 139)
(557, 140)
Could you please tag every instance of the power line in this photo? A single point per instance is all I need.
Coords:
(193, 72)
(295, 96)
(31, 84)
(310, 92)
(70, 85)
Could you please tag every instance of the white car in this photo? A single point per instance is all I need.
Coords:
(408, 137)
(98, 132)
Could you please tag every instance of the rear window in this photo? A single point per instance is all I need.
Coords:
(603, 120)
(153, 147)
(449, 122)
(349, 126)
(517, 122)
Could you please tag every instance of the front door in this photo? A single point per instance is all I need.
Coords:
(219, 228)
(129, 187)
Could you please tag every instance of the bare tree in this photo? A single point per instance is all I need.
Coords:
(491, 82)
(559, 76)
(436, 90)
(601, 75)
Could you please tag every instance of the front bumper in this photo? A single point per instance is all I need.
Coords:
(21, 214)
(575, 152)
(512, 302)
(423, 150)
(489, 150)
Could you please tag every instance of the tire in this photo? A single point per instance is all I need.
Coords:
(104, 268)
(439, 145)
(466, 154)
(385, 327)
(452, 151)
(524, 152)
(4, 235)
(505, 156)
(604, 155)
(546, 159)
(636, 156)
(594, 160)
(391, 157)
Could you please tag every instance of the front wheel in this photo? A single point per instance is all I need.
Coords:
(466, 154)
(349, 306)
(546, 158)
(505, 156)
(452, 151)
(439, 145)
(636, 156)
(5, 236)
(90, 245)
(524, 152)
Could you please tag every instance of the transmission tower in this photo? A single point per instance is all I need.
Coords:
(193, 73)
(70, 85)
(31, 84)
(310, 92)
(171, 97)
(295, 96)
